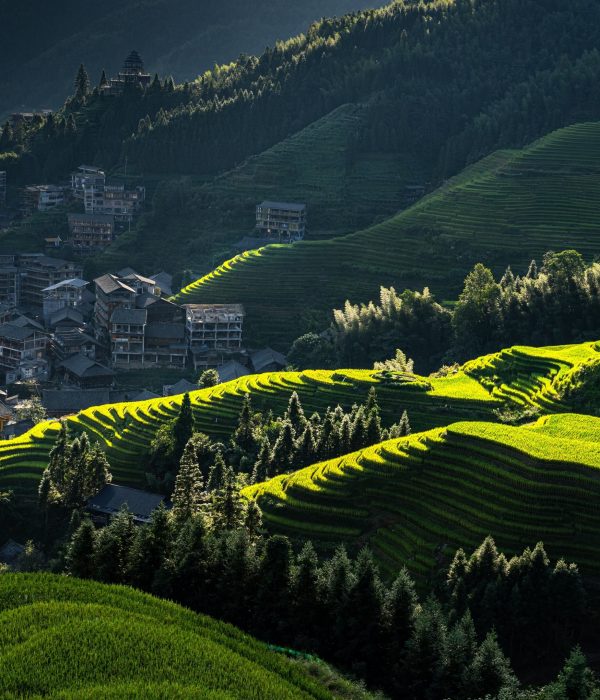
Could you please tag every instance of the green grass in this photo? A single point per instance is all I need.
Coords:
(509, 208)
(516, 378)
(416, 499)
(66, 638)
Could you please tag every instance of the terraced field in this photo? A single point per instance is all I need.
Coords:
(126, 429)
(311, 166)
(60, 637)
(509, 208)
(516, 377)
(415, 500)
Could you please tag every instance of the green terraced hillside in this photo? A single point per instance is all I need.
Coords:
(518, 377)
(68, 638)
(126, 429)
(311, 166)
(416, 500)
(509, 208)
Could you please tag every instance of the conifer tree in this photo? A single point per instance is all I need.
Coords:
(149, 549)
(305, 585)
(216, 476)
(490, 671)
(184, 425)
(373, 428)
(113, 548)
(284, 450)
(103, 79)
(253, 520)
(400, 609)
(82, 83)
(295, 414)
(97, 471)
(244, 437)
(345, 433)
(189, 484)
(80, 555)
(306, 449)
(372, 403)
(228, 508)
(262, 466)
(359, 430)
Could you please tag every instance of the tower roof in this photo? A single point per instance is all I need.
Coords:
(134, 62)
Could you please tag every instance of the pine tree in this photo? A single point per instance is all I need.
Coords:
(306, 450)
(80, 555)
(184, 425)
(284, 450)
(400, 609)
(371, 401)
(82, 83)
(97, 471)
(113, 548)
(103, 80)
(490, 671)
(345, 433)
(404, 425)
(373, 428)
(359, 430)
(532, 272)
(244, 437)
(228, 510)
(262, 466)
(253, 520)
(216, 476)
(304, 598)
(187, 495)
(295, 414)
(149, 549)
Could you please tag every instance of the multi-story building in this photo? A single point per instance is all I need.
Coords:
(39, 272)
(42, 198)
(65, 294)
(132, 74)
(2, 188)
(9, 283)
(214, 332)
(91, 232)
(19, 344)
(124, 204)
(281, 221)
(111, 294)
(164, 337)
(127, 328)
(86, 177)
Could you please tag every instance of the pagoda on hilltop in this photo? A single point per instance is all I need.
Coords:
(132, 73)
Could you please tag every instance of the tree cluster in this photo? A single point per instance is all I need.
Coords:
(340, 608)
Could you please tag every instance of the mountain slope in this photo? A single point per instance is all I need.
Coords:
(68, 638)
(519, 377)
(505, 210)
(417, 499)
(44, 43)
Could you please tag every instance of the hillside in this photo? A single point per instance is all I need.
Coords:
(505, 210)
(59, 636)
(415, 500)
(43, 44)
(517, 377)
(310, 166)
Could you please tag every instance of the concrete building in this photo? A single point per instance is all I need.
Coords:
(90, 233)
(127, 330)
(42, 198)
(111, 294)
(38, 272)
(65, 294)
(10, 284)
(86, 177)
(18, 344)
(214, 332)
(281, 221)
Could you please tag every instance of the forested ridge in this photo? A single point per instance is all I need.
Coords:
(43, 42)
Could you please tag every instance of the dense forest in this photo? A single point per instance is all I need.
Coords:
(42, 42)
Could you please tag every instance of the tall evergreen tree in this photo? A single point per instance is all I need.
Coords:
(82, 83)
(295, 414)
(184, 425)
(80, 554)
(187, 495)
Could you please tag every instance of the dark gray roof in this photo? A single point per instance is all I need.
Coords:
(144, 395)
(73, 401)
(109, 284)
(73, 336)
(183, 386)
(73, 282)
(231, 370)
(67, 314)
(288, 206)
(82, 366)
(265, 357)
(165, 281)
(12, 332)
(47, 261)
(112, 498)
(165, 330)
(144, 300)
(132, 316)
(26, 322)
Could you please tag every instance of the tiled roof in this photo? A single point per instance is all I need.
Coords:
(112, 498)
(129, 316)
